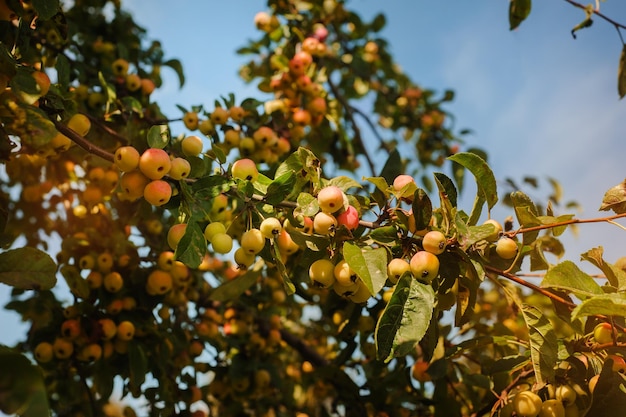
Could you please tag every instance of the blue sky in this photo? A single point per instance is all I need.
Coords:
(540, 102)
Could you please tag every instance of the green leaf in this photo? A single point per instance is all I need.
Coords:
(378, 23)
(446, 185)
(613, 304)
(543, 343)
(62, 67)
(192, 246)
(587, 22)
(159, 136)
(344, 183)
(380, 183)
(526, 213)
(615, 275)
(621, 73)
(518, 12)
(287, 283)
(280, 188)
(28, 269)
(485, 180)
(232, 289)
(22, 386)
(178, 67)
(472, 234)
(111, 95)
(369, 264)
(615, 199)
(46, 8)
(307, 205)
(76, 283)
(384, 235)
(406, 318)
(392, 168)
(609, 394)
(566, 276)
(138, 362)
(422, 209)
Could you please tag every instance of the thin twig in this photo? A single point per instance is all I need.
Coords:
(608, 219)
(82, 142)
(597, 13)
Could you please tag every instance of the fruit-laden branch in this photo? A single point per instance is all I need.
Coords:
(608, 219)
(82, 142)
(597, 13)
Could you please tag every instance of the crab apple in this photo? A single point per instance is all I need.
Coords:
(159, 282)
(506, 248)
(222, 243)
(252, 241)
(401, 181)
(219, 116)
(396, 268)
(324, 223)
(70, 329)
(566, 394)
(192, 145)
(126, 158)
(108, 328)
(361, 294)
(301, 117)
(120, 67)
(245, 169)
(619, 364)
(44, 352)
(175, 234)
(87, 262)
(80, 124)
(264, 137)
(424, 266)
(218, 207)
(94, 280)
(300, 63)
(206, 127)
(285, 243)
(237, 113)
(232, 138)
(527, 404)
(157, 192)
(244, 259)
(125, 331)
(322, 273)
(133, 184)
(496, 233)
(330, 199)
(133, 82)
(344, 275)
(180, 169)
(154, 163)
(104, 262)
(349, 218)
(419, 371)
(434, 242)
(603, 333)
(62, 348)
(60, 143)
(317, 106)
(552, 408)
(43, 82)
(113, 282)
(271, 227)
(191, 120)
(90, 353)
(212, 229)
(147, 86)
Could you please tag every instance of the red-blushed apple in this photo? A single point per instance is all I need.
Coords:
(155, 163)
(245, 169)
(424, 266)
(434, 242)
(192, 145)
(157, 192)
(330, 199)
(175, 234)
(324, 223)
(349, 218)
(603, 333)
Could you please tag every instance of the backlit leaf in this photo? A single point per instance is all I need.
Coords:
(615, 199)
(616, 276)
(192, 246)
(27, 268)
(369, 264)
(159, 136)
(613, 304)
(232, 289)
(566, 276)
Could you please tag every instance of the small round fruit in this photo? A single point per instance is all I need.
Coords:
(175, 234)
(180, 169)
(362, 293)
(506, 248)
(349, 218)
(402, 181)
(434, 242)
(344, 275)
(419, 371)
(192, 145)
(324, 223)
(92, 352)
(496, 233)
(155, 163)
(286, 244)
(245, 169)
(108, 328)
(44, 352)
(271, 227)
(80, 124)
(593, 382)
(159, 282)
(424, 266)
(113, 282)
(243, 259)
(125, 331)
(552, 408)
(190, 120)
(212, 229)
(222, 243)
(527, 404)
(253, 241)
(566, 394)
(219, 116)
(133, 82)
(321, 273)
(133, 184)
(396, 268)
(120, 67)
(70, 329)
(157, 192)
(62, 348)
(603, 333)
(330, 199)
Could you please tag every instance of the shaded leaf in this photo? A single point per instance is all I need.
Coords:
(192, 246)
(518, 12)
(621, 73)
(369, 264)
(178, 68)
(344, 183)
(46, 8)
(543, 343)
(22, 386)
(609, 394)
(393, 167)
(307, 205)
(76, 283)
(422, 209)
(232, 289)
(289, 287)
(406, 318)
(615, 199)
(567, 277)
(446, 185)
(28, 269)
(138, 362)
(280, 188)
(485, 180)
(384, 235)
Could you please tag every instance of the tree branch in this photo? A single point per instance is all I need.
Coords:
(608, 219)
(597, 13)
(82, 142)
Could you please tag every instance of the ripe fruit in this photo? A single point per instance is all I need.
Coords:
(219, 116)
(552, 408)
(62, 348)
(133, 184)
(120, 67)
(321, 273)
(603, 333)
(252, 241)
(133, 82)
(396, 268)
(80, 124)
(362, 293)
(158, 282)
(285, 243)
(157, 192)
(527, 404)
(113, 282)
(424, 266)
(419, 371)
(43, 82)
(108, 329)
(175, 234)
(271, 227)
(344, 275)
(566, 394)
(154, 163)
(212, 229)
(180, 169)
(434, 242)
(245, 169)
(192, 145)
(125, 331)
(44, 352)
(243, 259)
(222, 243)
(91, 352)
(190, 120)
(330, 199)
(506, 248)
(70, 329)
(324, 223)
(401, 181)
(498, 229)
(349, 218)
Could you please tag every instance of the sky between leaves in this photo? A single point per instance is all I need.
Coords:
(540, 102)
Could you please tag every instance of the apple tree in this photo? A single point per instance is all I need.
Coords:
(248, 256)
